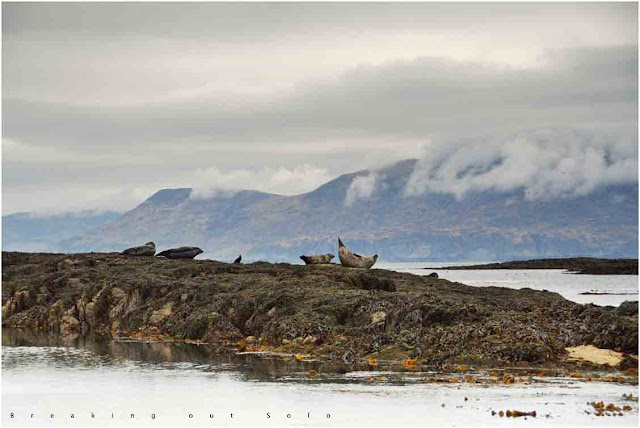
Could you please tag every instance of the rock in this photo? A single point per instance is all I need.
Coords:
(251, 340)
(349, 357)
(221, 331)
(160, 314)
(114, 327)
(378, 318)
(366, 281)
(118, 293)
(595, 355)
(432, 275)
(628, 308)
(65, 264)
(5, 310)
(69, 325)
(57, 310)
(118, 302)
(19, 302)
(272, 312)
(134, 299)
(88, 313)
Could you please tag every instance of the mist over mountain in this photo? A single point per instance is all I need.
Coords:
(373, 213)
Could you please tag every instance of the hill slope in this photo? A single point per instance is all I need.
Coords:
(488, 225)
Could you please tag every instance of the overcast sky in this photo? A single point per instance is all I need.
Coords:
(105, 103)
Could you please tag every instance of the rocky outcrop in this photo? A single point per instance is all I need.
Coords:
(332, 311)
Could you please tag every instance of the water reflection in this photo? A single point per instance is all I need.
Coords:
(43, 374)
(91, 352)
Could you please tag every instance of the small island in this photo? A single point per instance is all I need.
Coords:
(578, 265)
(328, 312)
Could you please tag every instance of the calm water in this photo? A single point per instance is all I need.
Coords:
(162, 384)
(568, 285)
(42, 375)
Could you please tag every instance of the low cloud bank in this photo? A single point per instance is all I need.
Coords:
(545, 163)
(361, 187)
(300, 179)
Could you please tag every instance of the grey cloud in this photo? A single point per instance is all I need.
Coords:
(259, 20)
(333, 126)
(98, 53)
(128, 95)
(361, 187)
(580, 87)
(211, 181)
(546, 163)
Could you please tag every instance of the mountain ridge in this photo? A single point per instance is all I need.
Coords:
(487, 225)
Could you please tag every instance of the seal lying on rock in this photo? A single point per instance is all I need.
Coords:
(181, 253)
(148, 249)
(349, 259)
(317, 259)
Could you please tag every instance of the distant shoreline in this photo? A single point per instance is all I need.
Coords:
(578, 265)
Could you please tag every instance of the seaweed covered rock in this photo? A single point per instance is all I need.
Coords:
(366, 281)
(628, 308)
(293, 308)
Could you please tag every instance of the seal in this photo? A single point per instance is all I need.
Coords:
(146, 250)
(180, 253)
(349, 259)
(238, 260)
(317, 259)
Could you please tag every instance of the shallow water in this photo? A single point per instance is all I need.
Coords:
(115, 380)
(42, 375)
(568, 285)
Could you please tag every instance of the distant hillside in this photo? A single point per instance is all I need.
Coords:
(488, 225)
(582, 265)
(31, 232)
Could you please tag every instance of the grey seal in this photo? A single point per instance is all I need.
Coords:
(349, 259)
(317, 259)
(181, 253)
(146, 250)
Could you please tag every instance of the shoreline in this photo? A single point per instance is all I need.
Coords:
(309, 366)
(576, 265)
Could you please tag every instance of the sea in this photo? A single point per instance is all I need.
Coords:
(48, 381)
(603, 290)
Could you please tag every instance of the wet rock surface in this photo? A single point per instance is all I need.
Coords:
(331, 312)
